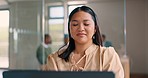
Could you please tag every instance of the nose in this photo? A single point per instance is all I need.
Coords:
(81, 27)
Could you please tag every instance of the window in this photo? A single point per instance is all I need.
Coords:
(56, 12)
(55, 22)
(4, 35)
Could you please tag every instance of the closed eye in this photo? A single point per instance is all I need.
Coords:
(74, 24)
(86, 24)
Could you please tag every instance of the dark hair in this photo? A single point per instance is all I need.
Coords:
(103, 35)
(97, 36)
(46, 35)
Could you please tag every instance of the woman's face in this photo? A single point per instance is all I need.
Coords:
(82, 27)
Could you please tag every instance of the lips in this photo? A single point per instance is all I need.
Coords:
(80, 34)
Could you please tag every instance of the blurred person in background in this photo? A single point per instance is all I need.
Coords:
(105, 42)
(43, 51)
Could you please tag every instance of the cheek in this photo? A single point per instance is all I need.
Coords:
(92, 30)
(92, 33)
(72, 31)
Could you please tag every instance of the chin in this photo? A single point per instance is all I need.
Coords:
(82, 42)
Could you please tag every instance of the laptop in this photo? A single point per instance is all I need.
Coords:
(56, 74)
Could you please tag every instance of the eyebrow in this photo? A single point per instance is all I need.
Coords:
(77, 20)
(86, 20)
(74, 21)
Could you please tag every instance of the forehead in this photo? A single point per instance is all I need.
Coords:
(81, 15)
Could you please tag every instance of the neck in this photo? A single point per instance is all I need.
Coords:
(80, 48)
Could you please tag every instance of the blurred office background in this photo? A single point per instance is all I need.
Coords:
(23, 24)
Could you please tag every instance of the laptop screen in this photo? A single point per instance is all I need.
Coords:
(56, 74)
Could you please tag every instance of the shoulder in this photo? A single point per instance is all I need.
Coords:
(108, 51)
(40, 46)
(111, 61)
(108, 42)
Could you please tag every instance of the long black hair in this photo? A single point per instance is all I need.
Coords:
(96, 37)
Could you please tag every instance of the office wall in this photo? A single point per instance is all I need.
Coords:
(24, 37)
(137, 35)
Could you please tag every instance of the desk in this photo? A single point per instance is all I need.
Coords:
(126, 66)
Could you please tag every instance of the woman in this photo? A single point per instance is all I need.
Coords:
(84, 51)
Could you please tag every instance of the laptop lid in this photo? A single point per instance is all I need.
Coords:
(56, 74)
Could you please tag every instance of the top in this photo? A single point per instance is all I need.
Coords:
(42, 53)
(97, 58)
